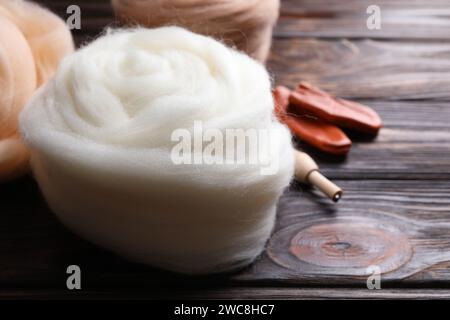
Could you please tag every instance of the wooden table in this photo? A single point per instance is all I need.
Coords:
(396, 210)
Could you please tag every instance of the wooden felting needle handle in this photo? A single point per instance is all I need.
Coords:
(307, 171)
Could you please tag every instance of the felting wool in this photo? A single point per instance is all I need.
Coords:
(101, 131)
(246, 24)
(32, 42)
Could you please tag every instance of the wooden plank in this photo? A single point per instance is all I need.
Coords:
(402, 226)
(414, 144)
(339, 6)
(365, 68)
(225, 293)
(348, 19)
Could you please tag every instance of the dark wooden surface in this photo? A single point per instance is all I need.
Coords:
(396, 210)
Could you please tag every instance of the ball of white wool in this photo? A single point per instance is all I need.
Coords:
(100, 134)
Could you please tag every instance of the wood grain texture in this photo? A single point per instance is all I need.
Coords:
(396, 209)
(367, 69)
(400, 19)
(414, 144)
(226, 293)
(398, 225)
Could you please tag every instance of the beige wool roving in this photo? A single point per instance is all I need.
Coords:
(100, 134)
(32, 42)
(245, 24)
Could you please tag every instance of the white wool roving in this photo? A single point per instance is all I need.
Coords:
(100, 134)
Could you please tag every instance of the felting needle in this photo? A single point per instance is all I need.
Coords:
(307, 171)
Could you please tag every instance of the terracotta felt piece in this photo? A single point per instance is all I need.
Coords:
(32, 42)
(311, 100)
(315, 116)
(324, 136)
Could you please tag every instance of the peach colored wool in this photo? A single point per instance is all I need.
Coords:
(101, 134)
(245, 24)
(32, 42)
